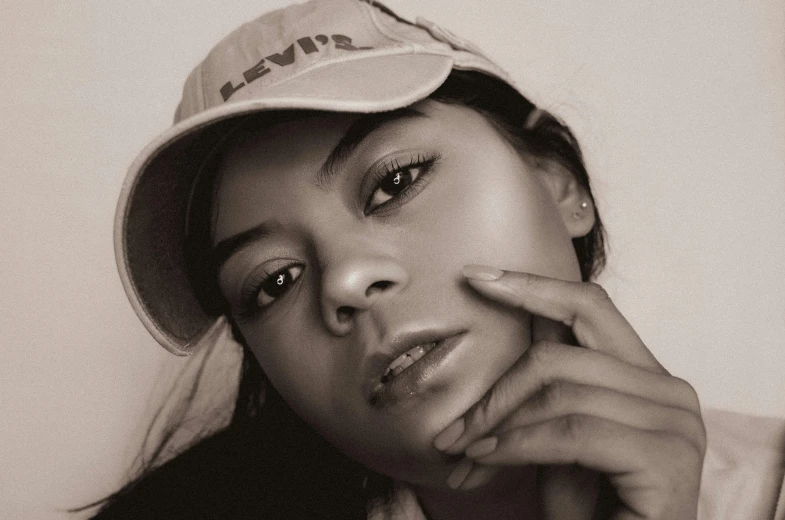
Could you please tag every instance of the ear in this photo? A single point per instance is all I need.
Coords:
(572, 200)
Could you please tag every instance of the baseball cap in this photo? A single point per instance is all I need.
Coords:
(333, 55)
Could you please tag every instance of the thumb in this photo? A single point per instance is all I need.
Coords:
(567, 492)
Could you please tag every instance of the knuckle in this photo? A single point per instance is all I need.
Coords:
(687, 453)
(595, 294)
(700, 438)
(572, 427)
(477, 416)
(681, 449)
(676, 461)
(541, 354)
(486, 412)
(696, 431)
(556, 395)
(525, 281)
(676, 466)
(553, 395)
(688, 393)
(517, 436)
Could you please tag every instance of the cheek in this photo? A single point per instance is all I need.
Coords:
(315, 383)
(294, 359)
(312, 372)
(504, 217)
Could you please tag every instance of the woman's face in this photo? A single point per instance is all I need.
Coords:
(345, 238)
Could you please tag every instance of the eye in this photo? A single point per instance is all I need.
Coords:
(398, 179)
(262, 290)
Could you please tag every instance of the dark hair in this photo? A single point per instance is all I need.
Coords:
(267, 460)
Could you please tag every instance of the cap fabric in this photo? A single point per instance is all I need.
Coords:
(334, 55)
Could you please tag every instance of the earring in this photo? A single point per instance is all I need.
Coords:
(583, 205)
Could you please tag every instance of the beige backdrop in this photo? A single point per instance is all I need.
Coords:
(680, 106)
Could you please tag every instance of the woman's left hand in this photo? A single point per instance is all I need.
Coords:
(609, 407)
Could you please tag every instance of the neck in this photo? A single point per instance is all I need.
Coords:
(511, 494)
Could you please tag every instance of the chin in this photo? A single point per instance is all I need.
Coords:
(410, 455)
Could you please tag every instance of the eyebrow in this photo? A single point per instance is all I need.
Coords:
(357, 132)
(355, 135)
(227, 247)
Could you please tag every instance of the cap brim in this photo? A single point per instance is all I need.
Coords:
(150, 218)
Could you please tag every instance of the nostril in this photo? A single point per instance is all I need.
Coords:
(377, 286)
(345, 313)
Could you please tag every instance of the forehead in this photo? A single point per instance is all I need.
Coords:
(263, 167)
(264, 162)
(300, 138)
(314, 133)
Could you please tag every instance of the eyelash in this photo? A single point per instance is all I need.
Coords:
(255, 286)
(393, 167)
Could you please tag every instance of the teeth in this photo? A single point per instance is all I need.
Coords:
(406, 360)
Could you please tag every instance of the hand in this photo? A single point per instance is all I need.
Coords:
(608, 407)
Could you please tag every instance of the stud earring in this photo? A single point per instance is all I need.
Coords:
(583, 205)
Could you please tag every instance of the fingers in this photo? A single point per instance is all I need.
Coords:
(585, 307)
(573, 439)
(560, 402)
(563, 398)
(654, 474)
(545, 363)
(592, 442)
(609, 407)
(478, 475)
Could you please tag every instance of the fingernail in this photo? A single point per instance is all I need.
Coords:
(482, 272)
(450, 434)
(479, 476)
(460, 473)
(482, 447)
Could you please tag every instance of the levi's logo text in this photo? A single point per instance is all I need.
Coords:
(287, 57)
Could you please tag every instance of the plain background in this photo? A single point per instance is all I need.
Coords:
(679, 105)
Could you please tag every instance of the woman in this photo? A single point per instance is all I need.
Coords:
(402, 244)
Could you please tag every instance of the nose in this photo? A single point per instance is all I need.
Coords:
(356, 281)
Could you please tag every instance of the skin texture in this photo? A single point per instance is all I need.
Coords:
(361, 268)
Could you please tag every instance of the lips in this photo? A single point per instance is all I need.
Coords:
(413, 360)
